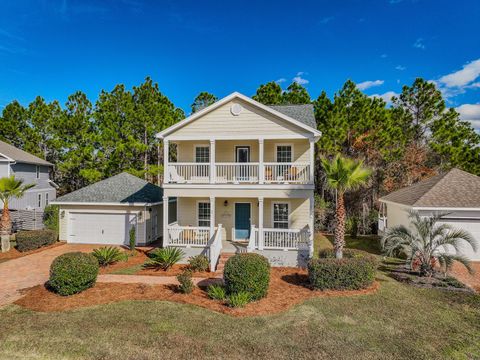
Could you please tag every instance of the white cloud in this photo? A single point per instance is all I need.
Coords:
(400, 67)
(463, 77)
(368, 84)
(470, 112)
(419, 44)
(387, 97)
(281, 80)
(300, 81)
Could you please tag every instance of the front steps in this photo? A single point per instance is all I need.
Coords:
(224, 256)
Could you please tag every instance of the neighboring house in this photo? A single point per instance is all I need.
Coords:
(104, 212)
(243, 179)
(28, 210)
(455, 193)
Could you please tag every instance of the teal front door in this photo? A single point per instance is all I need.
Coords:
(242, 221)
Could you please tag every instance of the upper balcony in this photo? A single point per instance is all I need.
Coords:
(239, 162)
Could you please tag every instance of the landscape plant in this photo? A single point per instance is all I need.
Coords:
(132, 238)
(108, 255)
(198, 263)
(428, 244)
(10, 188)
(164, 258)
(239, 299)
(186, 284)
(216, 292)
(35, 239)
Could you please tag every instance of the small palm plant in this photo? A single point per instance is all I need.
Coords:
(428, 244)
(164, 258)
(10, 188)
(343, 174)
(108, 255)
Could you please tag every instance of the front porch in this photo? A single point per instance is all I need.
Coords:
(279, 229)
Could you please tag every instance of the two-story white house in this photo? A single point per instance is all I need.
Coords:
(243, 176)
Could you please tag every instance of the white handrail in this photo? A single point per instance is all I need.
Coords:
(286, 239)
(189, 236)
(215, 248)
(251, 241)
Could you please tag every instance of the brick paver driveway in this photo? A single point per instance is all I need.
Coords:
(30, 270)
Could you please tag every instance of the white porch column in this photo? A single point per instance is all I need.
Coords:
(311, 224)
(261, 170)
(260, 223)
(166, 154)
(165, 222)
(213, 169)
(312, 160)
(212, 215)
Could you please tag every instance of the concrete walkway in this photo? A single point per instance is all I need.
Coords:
(154, 280)
(31, 270)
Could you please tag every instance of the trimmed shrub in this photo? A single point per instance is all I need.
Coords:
(164, 258)
(132, 238)
(247, 273)
(35, 239)
(108, 255)
(216, 292)
(73, 272)
(198, 263)
(51, 217)
(239, 299)
(355, 271)
(186, 284)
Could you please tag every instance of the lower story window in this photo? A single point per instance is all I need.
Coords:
(280, 216)
(204, 214)
(39, 200)
(46, 199)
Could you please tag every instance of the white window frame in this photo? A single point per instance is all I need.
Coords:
(37, 171)
(39, 200)
(198, 212)
(273, 213)
(195, 153)
(285, 144)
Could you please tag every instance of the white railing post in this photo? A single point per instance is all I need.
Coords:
(312, 160)
(212, 215)
(251, 240)
(212, 162)
(312, 226)
(166, 153)
(165, 222)
(261, 172)
(260, 223)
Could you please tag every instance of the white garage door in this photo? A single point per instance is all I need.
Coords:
(100, 228)
(473, 227)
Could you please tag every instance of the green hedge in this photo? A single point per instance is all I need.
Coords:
(34, 239)
(247, 273)
(73, 272)
(355, 271)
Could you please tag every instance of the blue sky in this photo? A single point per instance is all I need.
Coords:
(55, 47)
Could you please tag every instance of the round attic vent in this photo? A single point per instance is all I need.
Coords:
(236, 109)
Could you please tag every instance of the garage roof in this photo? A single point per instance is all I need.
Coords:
(453, 189)
(123, 188)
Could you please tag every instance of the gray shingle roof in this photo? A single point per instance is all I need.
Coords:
(121, 188)
(453, 189)
(20, 155)
(302, 113)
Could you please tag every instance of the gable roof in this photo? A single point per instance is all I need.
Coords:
(453, 189)
(20, 156)
(285, 115)
(123, 188)
(303, 113)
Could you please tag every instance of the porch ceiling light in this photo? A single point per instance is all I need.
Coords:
(225, 203)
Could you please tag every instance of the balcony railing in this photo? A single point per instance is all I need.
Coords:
(286, 239)
(237, 173)
(188, 236)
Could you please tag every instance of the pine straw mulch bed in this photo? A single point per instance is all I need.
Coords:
(288, 287)
(13, 253)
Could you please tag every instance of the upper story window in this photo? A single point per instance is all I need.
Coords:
(280, 215)
(284, 153)
(202, 154)
(204, 214)
(37, 171)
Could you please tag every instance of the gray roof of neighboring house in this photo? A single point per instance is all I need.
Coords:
(453, 189)
(302, 113)
(21, 156)
(123, 188)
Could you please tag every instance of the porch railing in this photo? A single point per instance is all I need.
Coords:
(188, 236)
(236, 173)
(215, 248)
(286, 239)
(297, 173)
(195, 173)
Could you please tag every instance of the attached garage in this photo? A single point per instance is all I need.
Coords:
(105, 212)
(455, 195)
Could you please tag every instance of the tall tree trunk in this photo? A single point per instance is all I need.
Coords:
(339, 238)
(5, 222)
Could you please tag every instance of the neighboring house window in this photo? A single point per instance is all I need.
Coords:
(202, 154)
(154, 224)
(37, 171)
(280, 216)
(284, 153)
(39, 200)
(46, 199)
(204, 214)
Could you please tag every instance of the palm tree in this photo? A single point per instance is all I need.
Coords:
(10, 188)
(343, 174)
(428, 243)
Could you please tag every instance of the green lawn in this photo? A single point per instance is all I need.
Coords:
(397, 322)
